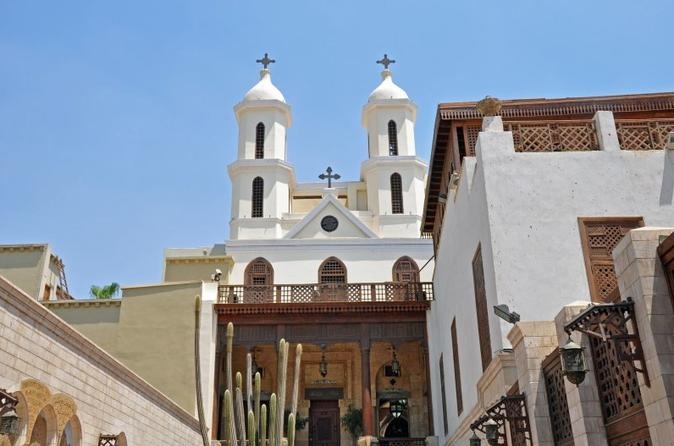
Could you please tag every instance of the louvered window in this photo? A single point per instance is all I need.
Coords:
(259, 272)
(392, 138)
(259, 141)
(257, 199)
(405, 270)
(396, 194)
(457, 368)
(332, 270)
(481, 309)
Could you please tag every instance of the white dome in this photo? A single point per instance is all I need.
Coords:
(387, 89)
(264, 90)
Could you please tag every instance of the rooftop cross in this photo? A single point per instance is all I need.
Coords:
(265, 61)
(386, 61)
(329, 176)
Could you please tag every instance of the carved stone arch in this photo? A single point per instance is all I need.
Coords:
(36, 395)
(65, 409)
(45, 428)
(259, 272)
(405, 270)
(332, 270)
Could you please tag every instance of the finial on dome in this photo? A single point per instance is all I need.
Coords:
(386, 61)
(265, 61)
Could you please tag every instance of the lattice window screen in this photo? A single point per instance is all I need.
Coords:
(457, 368)
(444, 395)
(405, 270)
(332, 271)
(259, 141)
(599, 237)
(482, 309)
(392, 138)
(259, 272)
(396, 194)
(258, 197)
(558, 406)
(472, 132)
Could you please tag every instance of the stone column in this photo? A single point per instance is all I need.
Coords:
(641, 277)
(532, 342)
(587, 421)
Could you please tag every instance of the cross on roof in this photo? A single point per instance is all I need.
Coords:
(329, 176)
(386, 61)
(265, 61)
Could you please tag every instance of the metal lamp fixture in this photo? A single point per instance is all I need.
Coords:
(9, 420)
(396, 408)
(573, 362)
(395, 364)
(491, 431)
(323, 365)
(474, 440)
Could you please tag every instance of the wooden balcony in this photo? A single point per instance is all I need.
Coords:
(326, 292)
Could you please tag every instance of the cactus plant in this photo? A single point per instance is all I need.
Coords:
(252, 429)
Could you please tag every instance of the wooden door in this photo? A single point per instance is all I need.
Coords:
(324, 423)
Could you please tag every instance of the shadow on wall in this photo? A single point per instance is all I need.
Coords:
(667, 189)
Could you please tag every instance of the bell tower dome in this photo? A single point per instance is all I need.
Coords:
(394, 176)
(261, 177)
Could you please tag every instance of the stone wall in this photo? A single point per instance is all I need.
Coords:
(68, 372)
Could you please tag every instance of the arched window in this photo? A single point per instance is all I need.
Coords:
(259, 272)
(258, 195)
(392, 138)
(332, 270)
(396, 194)
(405, 270)
(259, 141)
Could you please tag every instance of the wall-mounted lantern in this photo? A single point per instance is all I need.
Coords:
(396, 408)
(395, 364)
(323, 365)
(474, 440)
(573, 362)
(9, 420)
(491, 431)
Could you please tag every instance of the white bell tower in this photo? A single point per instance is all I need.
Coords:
(394, 175)
(261, 177)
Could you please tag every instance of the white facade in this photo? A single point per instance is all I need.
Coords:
(522, 209)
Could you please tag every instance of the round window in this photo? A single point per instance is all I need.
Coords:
(329, 223)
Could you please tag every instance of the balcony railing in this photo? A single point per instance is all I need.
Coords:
(326, 292)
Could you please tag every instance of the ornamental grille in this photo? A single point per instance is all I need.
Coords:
(259, 272)
(405, 270)
(472, 132)
(600, 237)
(259, 141)
(618, 387)
(257, 199)
(481, 309)
(644, 135)
(558, 406)
(392, 138)
(332, 271)
(108, 440)
(553, 137)
(396, 194)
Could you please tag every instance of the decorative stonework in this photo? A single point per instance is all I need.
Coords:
(37, 396)
(65, 408)
(197, 259)
(489, 106)
(77, 303)
(20, 248)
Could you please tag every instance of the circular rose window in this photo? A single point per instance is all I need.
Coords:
(329, 223)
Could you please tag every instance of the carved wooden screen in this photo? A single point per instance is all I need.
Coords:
(392, 138)
(558, 406)
(396, 194)
(444, 396)
(257, 197)
(259, 141)
(457, 368)
(618, 388)
(599, 236)
(482, 309)
(405, 270)
(259, 272)
(332, 270)
(666, 252)
(643, 134)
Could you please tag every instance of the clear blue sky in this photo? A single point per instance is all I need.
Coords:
(116, 121)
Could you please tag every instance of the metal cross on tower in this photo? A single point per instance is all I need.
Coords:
(386, 61)
(329, 176)
(265, 61)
